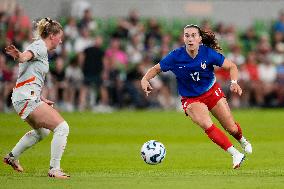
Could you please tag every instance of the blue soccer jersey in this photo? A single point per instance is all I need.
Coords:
(195, 76)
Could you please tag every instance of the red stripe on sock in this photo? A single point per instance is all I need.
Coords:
(218, 137)
(239, 134)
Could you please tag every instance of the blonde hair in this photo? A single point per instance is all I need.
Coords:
(47, 26)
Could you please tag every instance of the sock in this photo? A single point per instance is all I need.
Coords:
(28, 140)
(239, 134)
(58, 144)
(218, 137)
(232, 150)
(243, 140)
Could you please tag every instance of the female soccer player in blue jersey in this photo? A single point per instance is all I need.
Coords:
(30, 105)
(193, 66)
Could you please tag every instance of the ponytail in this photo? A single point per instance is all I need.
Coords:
(208, 37)
(47, 26)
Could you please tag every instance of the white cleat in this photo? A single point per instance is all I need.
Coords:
(238, 160)
(58, 173)
(247, 147)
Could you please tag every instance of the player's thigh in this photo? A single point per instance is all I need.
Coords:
(199, 114)
(44, 116)
(221, 111)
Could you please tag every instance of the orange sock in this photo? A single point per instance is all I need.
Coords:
(218, 137)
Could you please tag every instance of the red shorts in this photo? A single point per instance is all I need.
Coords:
(210, 98)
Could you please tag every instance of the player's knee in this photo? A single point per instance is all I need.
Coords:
(43, 132)
(62, 129)
(37, 134)
(199, 120)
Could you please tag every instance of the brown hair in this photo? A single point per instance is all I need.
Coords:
(47, 26)
(208, 37)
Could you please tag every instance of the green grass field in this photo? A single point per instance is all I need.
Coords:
(103, 151)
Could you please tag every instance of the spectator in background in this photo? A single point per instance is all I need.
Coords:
(7, 83)
(279, 24)
(134, 50)
(59, 82)
(133, 96)
(153, 33)
(235, 55)
(152, 48)
(3, 28)
(93, 66)
(83, 41)
(88, 22)
(220, 31)
(263, 48)
(276, 56)
(74, 79)
(19, 26)
(249, 40)
(267, 76)
(134, 25)
(166, 41)
(231, 35)
(71, 32)
(114, 76)
(280, 85)
(250, 82)
(3, 73)
(121, 30)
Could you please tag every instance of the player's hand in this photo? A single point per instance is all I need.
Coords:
(146, 86)
(12, 51)
(236, 88)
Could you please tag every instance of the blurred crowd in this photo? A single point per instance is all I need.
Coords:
(100, 63)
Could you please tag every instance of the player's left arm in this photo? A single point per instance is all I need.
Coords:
(229, 65)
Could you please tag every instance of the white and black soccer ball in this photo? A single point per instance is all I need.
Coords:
(153, 152)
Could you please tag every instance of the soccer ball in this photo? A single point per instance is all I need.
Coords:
(153, 152)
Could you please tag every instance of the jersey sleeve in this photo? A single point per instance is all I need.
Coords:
(167, 62)
(37, 49)
(216, 57)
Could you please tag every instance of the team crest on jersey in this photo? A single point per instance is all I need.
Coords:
(203, 65)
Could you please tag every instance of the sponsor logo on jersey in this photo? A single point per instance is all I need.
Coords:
(203, 65)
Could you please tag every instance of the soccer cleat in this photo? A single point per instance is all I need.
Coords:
(57, 173)
(237, 160)
(15, 164)
(246, 147)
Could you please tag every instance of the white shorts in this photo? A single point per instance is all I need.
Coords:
(25, 107)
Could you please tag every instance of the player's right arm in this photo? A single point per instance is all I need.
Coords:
(17, 55)
(151, 73)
